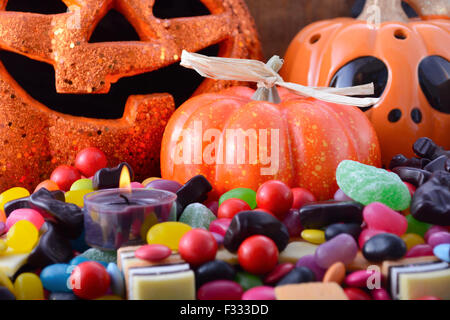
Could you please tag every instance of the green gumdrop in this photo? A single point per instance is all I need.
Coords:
(197, 216)
(248, 280)
(416, 226)
(367, 184)
(82, 184)
(245, 194)
(100, 255)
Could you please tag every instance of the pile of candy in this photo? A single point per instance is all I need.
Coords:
(385, 235)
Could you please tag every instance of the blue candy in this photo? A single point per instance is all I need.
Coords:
(442, 251)
(117, 280)
(55, 277)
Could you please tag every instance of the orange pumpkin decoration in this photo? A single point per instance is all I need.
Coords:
(235, 141)
(35, 139)
(407, 59)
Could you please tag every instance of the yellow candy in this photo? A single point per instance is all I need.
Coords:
(148, 180)
(22, 236)
(110, 297)
(167, 233)
(412, 239)
(77, 197)
(3, 246)
(313, 236)
(28, 286)
(5, 282)
(12, 194)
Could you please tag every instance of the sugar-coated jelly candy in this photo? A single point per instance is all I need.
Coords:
(431, 202)
(82, 184)
(108, 178)
(25, 214)
(297, 275)
(246, 194)
(89, 280)
(62, 296)
(220, 226)
(163, 184)
(55, 277)
(353, 229)
(6, 294)
(313, 235)
(248, 280)
(419, 250)
(249, 223)
(195, 190)
(167, 233)
(437, 164)
(258, 254)
(22, 236)
(100, 255)
(214, 270)
(367, 184)
(416, 226)
(197, 216)
(220, 290)
(442, 251)
(415, 176)
(28, 286)
(341, 248)
(292, 223)
(438, 238)
(259, 293)
(322, 214)
(310, 261)
(384, 246)
(278, 273)
(76, 197)
(12, 194)
(426, 148)
(380, 217)
(412, 240)
(117, 280)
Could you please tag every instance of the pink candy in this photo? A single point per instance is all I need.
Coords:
(420, 250)
(25, 214)
(359, 279)
(259, 293)
(220, 226)
(438, 238)
(366, 234)
(136, 185)
(380, 217)
(380, 294)
(434, 229)
(278, 273)
(220, 290)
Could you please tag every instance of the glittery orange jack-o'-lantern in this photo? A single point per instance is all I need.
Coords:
(407, 59)
(79, 73)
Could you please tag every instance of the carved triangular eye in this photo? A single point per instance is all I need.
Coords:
(37, 6)
(114, 27)
(362, 71)
(434, 79)
(168, 9)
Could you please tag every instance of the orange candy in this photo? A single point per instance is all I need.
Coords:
(47, 184)
(2, 216)
(335, 273)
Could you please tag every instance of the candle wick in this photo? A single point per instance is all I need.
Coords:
(126, 199)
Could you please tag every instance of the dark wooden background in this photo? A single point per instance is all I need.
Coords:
(278, 21)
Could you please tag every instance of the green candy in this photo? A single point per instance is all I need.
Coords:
(197, 216)
(248, 280)
(367, 184)
(416, 226)
(82, 184)
(100, 255)
(245, 194)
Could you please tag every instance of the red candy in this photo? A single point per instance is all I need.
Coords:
(65, 176)
(90, 160)
(25, 214)
(278, 273)
(356, 294)
(220, 226)
(380, 217)
(429, 298)
(420, 250)
(153, 252)
(89, 280)
(358, 278)
(380, 294)
(302, 197)
(229, 208)
(276, 197)
(197, 246)
(410, 187)
(220, 290)
(258, 254)
(213, 206)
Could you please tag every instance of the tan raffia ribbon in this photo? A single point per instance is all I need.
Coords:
(266, 76)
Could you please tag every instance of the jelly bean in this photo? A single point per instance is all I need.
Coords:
(162, 184)
(276, 197)
(62, 296)
(259, 293)
(335, 273)
(431, 202)
(380, 294)
(220, 290)
(384, 246)
(248, 223)
(339, 195)
(322, 214)
(438, 238)
(197, 216)
(153, 252)
(366, 234)
(367, 184)
(230, 207)
(247, 280)
(296, 250)
(55, 277)
(429, 298)
(108, 178)
(434, 229)
(77, 197)
(21, 203)
(335, 229)
(361, 278)
(414, 176)
(6, 294)
(426, 148)
(297, 275)
(292, 223)
(47, 184)
(213, 206)
(278, 273)
(89, 280)
(313, 236)
(90, 160)
(6, 282)
(64, 176)
(380, 217)
(117, 280)
(197, 246)
(258, 254)
(82, 184)
(3, 246)
(219, 226)
(214, 270)
(219, 238)
(25, 214)
(341, 248)
(442, 251)
(22, 236)
(302, 196)
(356, 294)
(148, 180)
(419, 250)
(248, 195)
(2, 227)
(401, 161)
(417, 227)
(2, 216)
(437, 164)
(12, 194)
(134, 185)
(310, 262)
(28, 286)
(195, 190)
(412, 239)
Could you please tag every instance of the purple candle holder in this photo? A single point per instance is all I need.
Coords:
(114, 218)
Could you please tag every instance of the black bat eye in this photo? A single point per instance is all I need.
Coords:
(434, 79)
(42, 7)
(169, 9)
(362, 71)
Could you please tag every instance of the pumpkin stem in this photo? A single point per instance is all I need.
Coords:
(379, 11)
(269, 94)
